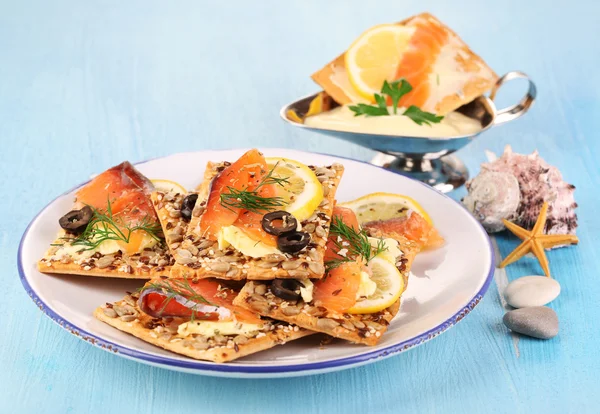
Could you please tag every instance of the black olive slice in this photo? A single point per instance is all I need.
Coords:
(293, 242)
(75, 221)
(286, 288)
(279, 222)
(187, 206)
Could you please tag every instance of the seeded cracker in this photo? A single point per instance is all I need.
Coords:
(126, 316)
(150, 263)
(168, 208)
(365, 329)
(199, 257)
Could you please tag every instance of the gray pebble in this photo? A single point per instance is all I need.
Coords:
(537, 321)
(531, 291)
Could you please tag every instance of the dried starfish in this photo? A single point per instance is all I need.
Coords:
(536, 241)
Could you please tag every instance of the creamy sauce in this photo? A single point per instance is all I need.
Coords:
(210, 329)
(343, 119)
(236, 238)
(307, 291)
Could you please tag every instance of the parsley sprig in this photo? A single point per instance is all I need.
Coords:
(395, 90)
(421, 117)
(105, 226)
(251, 200)
(355, 241)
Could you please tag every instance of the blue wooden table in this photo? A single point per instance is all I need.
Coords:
(84, 86)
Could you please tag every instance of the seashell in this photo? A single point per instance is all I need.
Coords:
(538, 182)
(493, 196)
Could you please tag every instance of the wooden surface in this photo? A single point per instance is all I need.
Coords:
(85, 85)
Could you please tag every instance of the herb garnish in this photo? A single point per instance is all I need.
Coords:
(106, 226)
(178, 287)
(395, 90)
(251, 200)
(356, 242)
(420, 117)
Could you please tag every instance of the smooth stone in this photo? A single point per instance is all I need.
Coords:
(531, 291)
(538, 321)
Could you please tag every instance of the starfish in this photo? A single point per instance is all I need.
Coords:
(535, 241)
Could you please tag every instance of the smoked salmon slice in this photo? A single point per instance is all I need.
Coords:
(337, 291)
(127, 190)
(349, 218)
(204, 299)
(244, 174)
(251, 222)
(418, 60)
(412, 226)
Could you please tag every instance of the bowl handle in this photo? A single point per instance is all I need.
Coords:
(515, 111)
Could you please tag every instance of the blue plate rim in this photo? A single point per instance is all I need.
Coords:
(210, 367)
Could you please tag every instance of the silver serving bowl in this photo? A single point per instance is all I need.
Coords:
(428, 159)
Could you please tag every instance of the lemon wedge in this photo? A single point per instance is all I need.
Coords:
(390, 286)
(167, 186)
(384, 206)
(374, 57)
(304, 192)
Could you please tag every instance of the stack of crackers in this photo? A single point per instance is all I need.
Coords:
(186, 256)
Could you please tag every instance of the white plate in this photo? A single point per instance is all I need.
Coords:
(445, 284)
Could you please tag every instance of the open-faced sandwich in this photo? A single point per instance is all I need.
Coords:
(254, 218)
(112, 230)
(196, 318)
(367, 270)
(258, 254)
(401, 79)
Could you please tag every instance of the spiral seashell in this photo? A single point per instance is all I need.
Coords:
(493, 196)
(538, 182)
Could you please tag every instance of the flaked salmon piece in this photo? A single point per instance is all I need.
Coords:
(412, 226)
(203, 299)
(243, 174)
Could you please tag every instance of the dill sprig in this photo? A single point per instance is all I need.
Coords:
(105, 226)
(178, 287)
(251, 200)
(355, 241)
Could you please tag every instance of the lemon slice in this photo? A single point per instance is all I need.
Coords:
(384, 206)
(167, 186)
(391, 252)
(304, 192)
(374, 57)
(390, 286)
